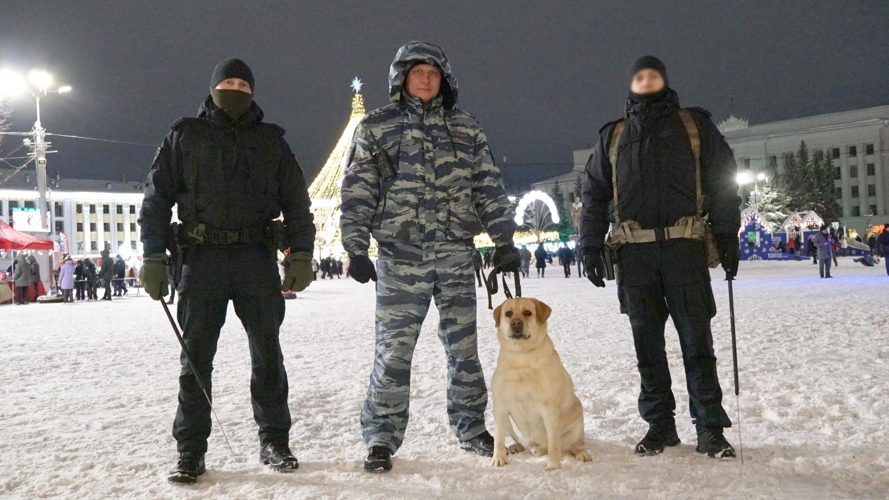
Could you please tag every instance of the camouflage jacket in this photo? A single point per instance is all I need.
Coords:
(421, 177)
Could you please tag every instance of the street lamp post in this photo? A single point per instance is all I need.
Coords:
(11, 84)
(744, 178)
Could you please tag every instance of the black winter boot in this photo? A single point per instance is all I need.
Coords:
(188, 468)
(712, 442)
(657, 438)
(483, 444)
(379, 459)
(279, 457)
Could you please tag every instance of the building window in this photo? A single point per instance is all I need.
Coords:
(853, 151)
(106, 226)
(853, 171)
(94, 246)
(871, 189)
(13, 204)
(106, 209)
(873, 210)
(120, 227)
(79, 208)
(133, 209)
(80, 227)
(29, 204)
(839, 191)
(120, 209)
(871, 170)
(60, 212)
(855, 191)
(132, 227)
(788, 158)
(746, 162)
(92, 227)
(868, 149)
(60, 227)
(133, 245)
(835, 153)
(837, 173)
(856, 211)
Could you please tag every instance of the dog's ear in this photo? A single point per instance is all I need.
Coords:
(497, 315)
(543, 311)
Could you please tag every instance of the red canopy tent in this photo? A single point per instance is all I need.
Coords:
(10, 239)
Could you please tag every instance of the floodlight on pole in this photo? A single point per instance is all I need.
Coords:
(41, 79)
(760, 176)
(11, 83)
(743, 178)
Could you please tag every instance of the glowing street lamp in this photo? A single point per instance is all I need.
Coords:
(12, 85)
(743, 178)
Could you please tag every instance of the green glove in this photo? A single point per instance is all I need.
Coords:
(153, 275)
(298, 273)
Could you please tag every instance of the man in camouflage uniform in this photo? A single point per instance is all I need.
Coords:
(421, 179)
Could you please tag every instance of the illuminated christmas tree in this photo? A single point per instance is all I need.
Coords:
(325, 189)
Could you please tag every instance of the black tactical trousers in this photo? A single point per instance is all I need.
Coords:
(201, 319)
(691, 307)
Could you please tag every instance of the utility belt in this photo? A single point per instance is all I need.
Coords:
(690, 227)
(199, 234)
(630, 232)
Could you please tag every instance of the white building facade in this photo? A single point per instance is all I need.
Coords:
(93, 214)
(857, 141)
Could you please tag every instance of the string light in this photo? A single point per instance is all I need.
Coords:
(325, 189)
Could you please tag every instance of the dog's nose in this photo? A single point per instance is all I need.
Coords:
(516, 323)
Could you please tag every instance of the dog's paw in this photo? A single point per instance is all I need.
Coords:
(499, 460)
(583, 456)
(537, 450)
(551, 466)
(516, 448)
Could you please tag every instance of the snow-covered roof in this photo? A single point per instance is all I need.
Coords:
(804, 219)
(752, 215)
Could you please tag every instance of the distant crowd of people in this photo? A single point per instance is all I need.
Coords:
(539, 258)
(77, 280)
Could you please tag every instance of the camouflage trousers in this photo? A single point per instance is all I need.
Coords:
(404, 291)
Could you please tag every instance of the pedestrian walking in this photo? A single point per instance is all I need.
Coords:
(66, 278)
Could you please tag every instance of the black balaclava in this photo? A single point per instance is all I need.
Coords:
(233, 102)
(648, 62)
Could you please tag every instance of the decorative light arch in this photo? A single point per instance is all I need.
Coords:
(531, 197)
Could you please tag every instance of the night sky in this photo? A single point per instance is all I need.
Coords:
(541, 76)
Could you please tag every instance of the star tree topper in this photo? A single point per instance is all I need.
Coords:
(356, 84)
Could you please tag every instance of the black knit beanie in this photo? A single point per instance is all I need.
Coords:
(648, 62)
(232, 68)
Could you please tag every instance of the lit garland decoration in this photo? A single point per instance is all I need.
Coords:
(805, 220)
(520, 238)
(751, 214)
(325, 189)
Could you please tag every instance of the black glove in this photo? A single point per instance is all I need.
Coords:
(507, 259)
(361, 268)
(594, 263)
(729, 249)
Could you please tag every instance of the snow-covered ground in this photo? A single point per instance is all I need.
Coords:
(89, 391)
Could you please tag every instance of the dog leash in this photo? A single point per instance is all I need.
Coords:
(491, 285)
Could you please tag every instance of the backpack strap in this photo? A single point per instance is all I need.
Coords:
(616, 133)
(694, 136)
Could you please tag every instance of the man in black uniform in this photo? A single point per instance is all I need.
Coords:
(672, 167)
(230, 175)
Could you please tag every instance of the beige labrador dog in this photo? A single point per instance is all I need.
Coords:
(534, 398)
